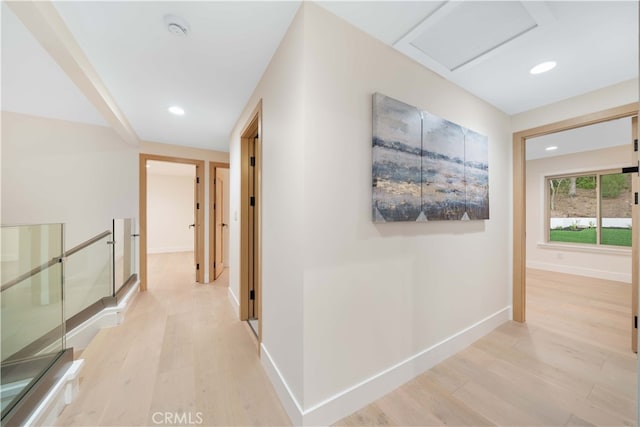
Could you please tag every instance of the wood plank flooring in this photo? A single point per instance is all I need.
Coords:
(569, 365)
(181, 351)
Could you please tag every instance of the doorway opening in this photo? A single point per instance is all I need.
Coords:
(519, 197)
(174, 215)
(218, 219)
(579, 232)
(250, 233)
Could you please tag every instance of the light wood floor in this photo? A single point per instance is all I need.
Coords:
(180, 350)
(570, 364)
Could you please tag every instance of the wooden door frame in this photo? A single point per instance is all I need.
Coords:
(199, 164)
(519, 191)
(253, 126)
(635, 247)
(212, 214)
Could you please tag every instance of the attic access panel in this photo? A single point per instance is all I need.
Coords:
(472, 29)
(459, 35)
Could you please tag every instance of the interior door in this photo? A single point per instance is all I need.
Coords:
(220, 225)
(635, 240)
(195, 222)
(253, 313)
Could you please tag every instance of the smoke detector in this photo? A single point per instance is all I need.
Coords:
(176, 25)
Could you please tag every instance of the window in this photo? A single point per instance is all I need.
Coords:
(592, 209)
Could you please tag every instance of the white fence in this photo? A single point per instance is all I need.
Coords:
(590, 222)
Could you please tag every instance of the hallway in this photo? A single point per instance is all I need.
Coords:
(180, 356)
(546, 372)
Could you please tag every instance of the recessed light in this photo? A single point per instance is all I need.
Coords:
(543, 67)
(553, 147)
(176, 110)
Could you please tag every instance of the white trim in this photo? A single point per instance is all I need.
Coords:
(60, 395)
(355, 397)
(287, 398)
(581, 271)
(594, 249)
(81, 335)
(234, 301)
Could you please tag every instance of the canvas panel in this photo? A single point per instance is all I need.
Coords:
(396, 160)
(425, 167)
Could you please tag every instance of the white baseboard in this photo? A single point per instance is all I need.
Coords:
(81, 336)
(60, 395)
(169, 250)
(355, 397)
(234, 301)
(581, 271)
(288, 400)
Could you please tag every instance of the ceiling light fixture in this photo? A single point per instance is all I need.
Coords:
(551, 148)
(543, 67)
(176, 110)
(176, 25)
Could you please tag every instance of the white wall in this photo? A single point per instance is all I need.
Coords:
(608, 97)
(611, 264)
(379, 294)
(282, 212)
(169, 150)
(59, 171)
(603, 99)
(170, 201)
(380, 302)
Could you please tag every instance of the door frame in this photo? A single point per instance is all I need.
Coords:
(519, 191)
(212, 214)
(252, 127)
(635, 239)
(199, 164)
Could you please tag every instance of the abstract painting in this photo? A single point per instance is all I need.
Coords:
(426, 168)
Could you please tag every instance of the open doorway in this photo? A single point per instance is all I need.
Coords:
(171, 217)
(191, 210)
(250, 222)
(520, 216)
(579, 232)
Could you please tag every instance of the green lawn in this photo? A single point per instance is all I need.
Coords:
(610, 236)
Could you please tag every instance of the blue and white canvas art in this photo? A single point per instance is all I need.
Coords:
(426, 168)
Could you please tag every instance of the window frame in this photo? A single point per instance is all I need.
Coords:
(547, 200)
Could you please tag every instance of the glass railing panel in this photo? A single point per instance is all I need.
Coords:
(31, 300)
(31, 310)
(31, 314)
(133, 256)
(28, 247)
(88, 276)
(124, 251)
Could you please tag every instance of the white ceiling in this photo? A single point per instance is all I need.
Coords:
(33, 83)
(212, 72)
(595, 44)
(602, 135)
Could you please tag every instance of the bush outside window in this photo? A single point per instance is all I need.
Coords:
(593, 208)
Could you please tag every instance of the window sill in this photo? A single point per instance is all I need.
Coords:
(594, 249)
